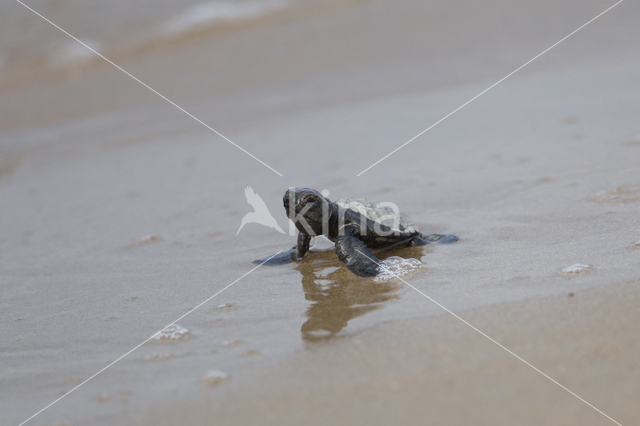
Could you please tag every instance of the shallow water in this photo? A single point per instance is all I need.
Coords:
(337, 296)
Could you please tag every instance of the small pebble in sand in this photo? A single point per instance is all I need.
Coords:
(226, 306)
(635, 245)
(102, 398)
(147, 239)
(577, 269)
(72, 381)
(214, 377)
(172, 332)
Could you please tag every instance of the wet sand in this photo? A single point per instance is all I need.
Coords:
(438, 370)
(119, 214)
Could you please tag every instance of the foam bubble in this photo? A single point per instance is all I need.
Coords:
(621, 194)
(172, 332)
(576, 269)
(394, 267)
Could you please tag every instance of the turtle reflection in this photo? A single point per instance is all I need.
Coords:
(338, 296)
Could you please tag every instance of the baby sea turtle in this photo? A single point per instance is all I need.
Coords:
(355, 225)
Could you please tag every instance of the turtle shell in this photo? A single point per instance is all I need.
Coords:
(383, 213)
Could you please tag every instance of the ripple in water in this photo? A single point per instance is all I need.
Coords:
(155, 356)
(394, 267)
(210, 13)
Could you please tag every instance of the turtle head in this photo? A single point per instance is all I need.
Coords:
(307, 208)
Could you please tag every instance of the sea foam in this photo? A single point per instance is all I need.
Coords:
(394, 267)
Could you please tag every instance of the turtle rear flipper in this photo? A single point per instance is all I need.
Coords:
(423, 239)
(355, 254)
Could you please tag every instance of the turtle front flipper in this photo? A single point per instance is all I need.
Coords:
(423, 239)
(283, 258)
(295, 254)
(355, 254)
(303, 245)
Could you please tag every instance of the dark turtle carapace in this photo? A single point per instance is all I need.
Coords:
(355, 225)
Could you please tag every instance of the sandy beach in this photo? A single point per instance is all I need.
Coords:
(119, 212)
